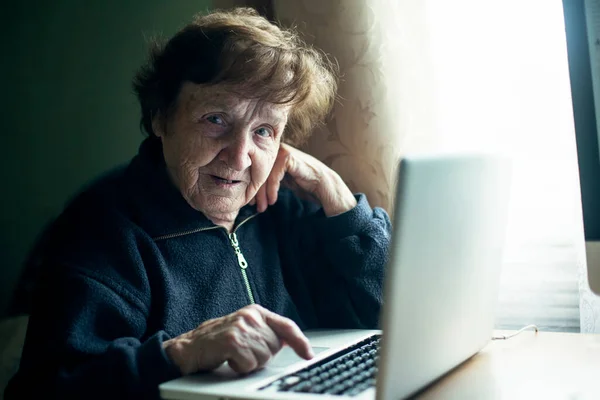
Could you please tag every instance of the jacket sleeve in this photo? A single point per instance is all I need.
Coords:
(88, 336)
(339, 260)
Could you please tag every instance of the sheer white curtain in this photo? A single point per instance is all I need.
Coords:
(383, 66)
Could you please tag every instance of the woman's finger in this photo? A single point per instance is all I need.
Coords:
(271, 339)
(277, 174)
(261, 199)
(306, 170)
(262, 354)
(243, 360)
(272, 191)
(288, 331)
(290, 183)
(254, 317)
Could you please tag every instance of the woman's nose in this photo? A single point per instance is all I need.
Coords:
(236, 153)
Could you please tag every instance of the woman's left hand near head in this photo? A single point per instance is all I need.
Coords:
(308, 178)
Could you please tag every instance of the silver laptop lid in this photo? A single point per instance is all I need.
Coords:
(443, 276)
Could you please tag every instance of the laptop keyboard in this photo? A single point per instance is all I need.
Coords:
(347, 372)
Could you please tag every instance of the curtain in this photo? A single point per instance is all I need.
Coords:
(435, 75)
(370, 125)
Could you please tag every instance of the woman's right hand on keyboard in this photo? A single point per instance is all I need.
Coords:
(247, 339)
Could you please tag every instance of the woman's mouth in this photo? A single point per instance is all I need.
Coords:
(224, 182)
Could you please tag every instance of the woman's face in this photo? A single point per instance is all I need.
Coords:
(219, 148)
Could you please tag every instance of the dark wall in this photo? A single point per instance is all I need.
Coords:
(68, 112)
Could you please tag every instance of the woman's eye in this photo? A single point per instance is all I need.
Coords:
(215, 119)
(264, 132)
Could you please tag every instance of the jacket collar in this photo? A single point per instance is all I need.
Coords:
(156, 203)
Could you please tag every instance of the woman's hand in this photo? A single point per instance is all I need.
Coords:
(247, 339)
(309, 178)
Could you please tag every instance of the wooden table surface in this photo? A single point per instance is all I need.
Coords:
(543, 365)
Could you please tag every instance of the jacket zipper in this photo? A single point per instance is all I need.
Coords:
(234, 243)
(240, 256)
(174, 235)
(242, 263)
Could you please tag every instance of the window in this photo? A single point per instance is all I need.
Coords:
(505, 85)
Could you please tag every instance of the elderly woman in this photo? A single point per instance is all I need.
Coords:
(219, 242)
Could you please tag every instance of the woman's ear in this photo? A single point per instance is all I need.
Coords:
(158, 125)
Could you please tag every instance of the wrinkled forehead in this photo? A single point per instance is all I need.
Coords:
(193, 96)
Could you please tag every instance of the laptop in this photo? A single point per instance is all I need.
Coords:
(440, 296)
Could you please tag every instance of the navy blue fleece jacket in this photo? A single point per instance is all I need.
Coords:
(130, 264)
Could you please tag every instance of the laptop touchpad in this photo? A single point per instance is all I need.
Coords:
(287, 357)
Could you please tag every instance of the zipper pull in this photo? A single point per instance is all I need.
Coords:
(242, 263)
(238, 252)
